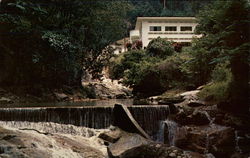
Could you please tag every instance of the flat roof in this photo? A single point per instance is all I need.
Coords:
(140, 19)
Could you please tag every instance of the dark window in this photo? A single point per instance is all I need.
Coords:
(186, 28)
(155, 28)
(170, 28)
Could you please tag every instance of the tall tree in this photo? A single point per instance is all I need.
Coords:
(226, 37)
(49, 41)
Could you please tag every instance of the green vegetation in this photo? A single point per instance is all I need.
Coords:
(218, 90)
(154, 70)
(159, 48)
(226, 39)
(51, 42)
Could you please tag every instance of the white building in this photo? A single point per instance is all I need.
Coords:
(120, 45)
(177, 29)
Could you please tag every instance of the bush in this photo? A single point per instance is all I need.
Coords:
(218, 90)
(153, 76)
(160, 48)
(124, 62)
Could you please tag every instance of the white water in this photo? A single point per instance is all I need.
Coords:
(58, 133)
(237, 147)
(173, 131)
(50, 127)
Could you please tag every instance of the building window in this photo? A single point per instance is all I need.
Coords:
(186, 28)
(155, 28)
(170, 28)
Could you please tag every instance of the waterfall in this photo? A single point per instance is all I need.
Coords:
(237, 138)
(172, 131)
(207, 144)
(98, 117)
(168, 132)
(147, 116)
(50, 127)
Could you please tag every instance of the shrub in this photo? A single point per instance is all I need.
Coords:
(124, 62)
(218, 90)
(160, 48)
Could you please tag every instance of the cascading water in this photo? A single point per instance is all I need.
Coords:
(237, 147)
(98, 117)
(170, 129)
(207, 144)
(148, 117)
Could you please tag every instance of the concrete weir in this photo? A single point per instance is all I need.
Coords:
(148, 117)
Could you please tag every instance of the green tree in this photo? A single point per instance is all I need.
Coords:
(48, 42)
(225, 29)
(160, 48)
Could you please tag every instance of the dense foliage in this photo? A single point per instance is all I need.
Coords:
(152, 71)
(226, 39)
(159, 48)
(49, 42)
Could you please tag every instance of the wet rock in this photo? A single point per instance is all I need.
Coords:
(214, 139)
(125, 120)
(30, 144)
(126, 145)
(110, 136)
(196, 103)
(135, 146)
(61, 96)
(4, 100)
(171, 100)
(190, 95)
(163, 100)
(199, 118)
(192, 117)
(106, 88)
(222, 142)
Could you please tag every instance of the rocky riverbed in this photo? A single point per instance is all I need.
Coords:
(193, 129)
(46, 140)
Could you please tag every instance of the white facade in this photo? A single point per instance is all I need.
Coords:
(120, 45)
(177, 29)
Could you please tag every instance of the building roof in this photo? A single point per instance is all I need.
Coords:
(167, 19)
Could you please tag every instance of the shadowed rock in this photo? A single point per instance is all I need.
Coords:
(124, 120)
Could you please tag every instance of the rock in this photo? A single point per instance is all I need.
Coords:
(201, 87)
(16, 143)
(111, 136)
(135, 146)
(4, 100)
(124, 120)
(196, 103)
(214, 139)
(171, 100)
(222, 142)
(192, 117)
(172, 155)
(61, 96)
(106, 88)
(126, 145)
(200, 118)
(190, 94)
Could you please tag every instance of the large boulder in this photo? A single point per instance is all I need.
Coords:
(124, 120)
(111, 136)
(135, 146)
(32, 143)
(215, 139)
(4, 100)
(190, 116)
